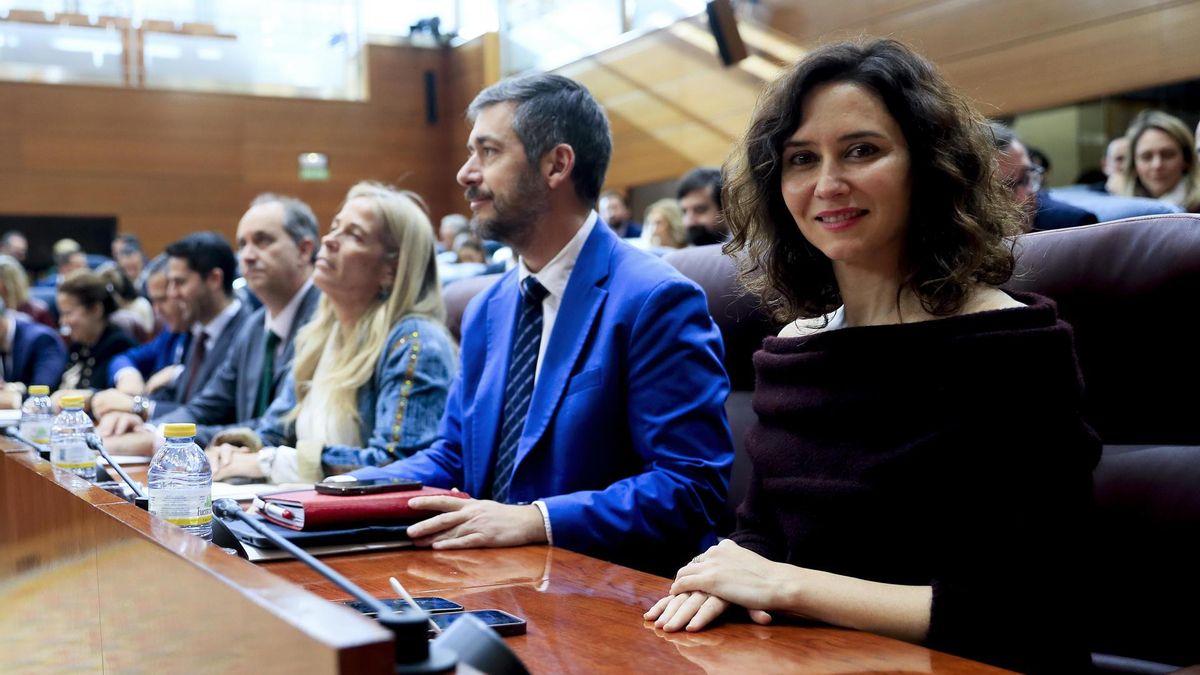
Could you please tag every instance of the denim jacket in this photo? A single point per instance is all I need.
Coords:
(399, 408)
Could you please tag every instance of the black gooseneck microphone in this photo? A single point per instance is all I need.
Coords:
(94, 443)
(13, 433)
(414, 652)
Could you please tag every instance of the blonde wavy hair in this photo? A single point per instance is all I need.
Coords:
(14, 281)
(408, 240)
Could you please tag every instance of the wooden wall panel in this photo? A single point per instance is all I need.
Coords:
(166, 163)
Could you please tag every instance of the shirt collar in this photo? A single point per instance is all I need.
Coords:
(556, 273)
(281, 325)
(213, 328)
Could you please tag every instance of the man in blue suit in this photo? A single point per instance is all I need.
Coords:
(589, 409)
(30, 353)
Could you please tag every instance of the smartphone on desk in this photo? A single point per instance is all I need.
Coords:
(349, 485)
(430, 605)
(503, 623)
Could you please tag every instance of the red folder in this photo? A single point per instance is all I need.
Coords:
(310, 510)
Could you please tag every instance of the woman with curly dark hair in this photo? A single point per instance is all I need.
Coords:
(920, 465)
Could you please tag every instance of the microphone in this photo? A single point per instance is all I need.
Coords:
(94, 443)
(13, 433)
(414, 652)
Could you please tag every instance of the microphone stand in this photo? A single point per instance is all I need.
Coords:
(141, 500)
(14, 434)
(414, 653)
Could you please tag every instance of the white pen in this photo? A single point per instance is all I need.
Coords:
(412, 603)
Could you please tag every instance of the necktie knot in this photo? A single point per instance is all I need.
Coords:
(533, 291)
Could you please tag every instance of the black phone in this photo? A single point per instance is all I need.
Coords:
(503, 623)
(430, 605)
(349, 485)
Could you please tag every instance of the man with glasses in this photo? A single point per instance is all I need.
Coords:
(1025, 179)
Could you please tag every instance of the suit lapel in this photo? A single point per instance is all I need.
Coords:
(577, 312)
(489, 400)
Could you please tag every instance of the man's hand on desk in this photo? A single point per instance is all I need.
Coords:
(476, 523)
(118, 424)
(232, 460)
(110, 401)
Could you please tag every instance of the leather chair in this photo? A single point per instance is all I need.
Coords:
(1128, 288)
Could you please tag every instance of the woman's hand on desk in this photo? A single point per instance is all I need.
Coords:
(232, 460)
(704, 588)
(476, 523)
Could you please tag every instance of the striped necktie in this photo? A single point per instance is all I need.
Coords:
(519, 389)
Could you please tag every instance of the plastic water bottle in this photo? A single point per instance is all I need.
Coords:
(69, 434)
(37, 414)
(180, 481)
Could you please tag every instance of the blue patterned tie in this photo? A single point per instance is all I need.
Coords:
(519, 389)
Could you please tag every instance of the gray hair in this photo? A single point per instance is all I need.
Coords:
(456, 223)
(552, 109)
(298, 219)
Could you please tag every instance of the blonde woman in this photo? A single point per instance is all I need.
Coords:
(373, 366)
(664, 224)
(1161, 163)
(14, 290)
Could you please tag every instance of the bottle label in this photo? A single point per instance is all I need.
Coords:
(72, 454)
(185, 507)
(38, 432)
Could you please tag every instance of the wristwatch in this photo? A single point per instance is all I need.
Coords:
(141, 407)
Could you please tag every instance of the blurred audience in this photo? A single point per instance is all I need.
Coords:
(14, 289)
(151, 366)
(68, 257)
(127, 252)
(614, 212)
(1114, 165)
(1024, 178)
(14, 243)
(699, 195)
(450, 228)
(30, 353)
(85, 304)
(1162, 161)
(663, 224)
(134, 314)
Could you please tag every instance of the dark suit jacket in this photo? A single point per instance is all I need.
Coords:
(1055, 215)
(626, 439)
(230, 395)
(171, 397)
(38, 356)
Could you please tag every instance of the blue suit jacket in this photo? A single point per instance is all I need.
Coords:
(38, 356)
(1053, 214)
(167, 349)
(626, 439)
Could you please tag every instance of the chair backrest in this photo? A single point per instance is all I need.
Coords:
(1128, 287)
(742, 323)
(457, 294)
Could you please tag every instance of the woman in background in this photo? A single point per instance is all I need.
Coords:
(663, 224)
(1161, 163)
(920, 467)
(14, 289)
(373, 366)
(85, 303)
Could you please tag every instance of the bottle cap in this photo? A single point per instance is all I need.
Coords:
(179, 430)
(39, 390)
(75, 401)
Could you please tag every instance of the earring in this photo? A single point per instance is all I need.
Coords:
(384, 293)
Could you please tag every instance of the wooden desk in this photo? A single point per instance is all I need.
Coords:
(584, 614)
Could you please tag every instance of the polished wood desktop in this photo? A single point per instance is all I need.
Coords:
(143, 586)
